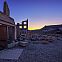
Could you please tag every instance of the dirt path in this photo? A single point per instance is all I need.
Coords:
(51, 52)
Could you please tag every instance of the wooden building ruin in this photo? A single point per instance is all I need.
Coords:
(22, 29)
(7, 27)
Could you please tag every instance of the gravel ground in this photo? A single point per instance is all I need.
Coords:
(51, 52)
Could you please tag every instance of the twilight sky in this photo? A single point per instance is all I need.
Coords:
(38, 12)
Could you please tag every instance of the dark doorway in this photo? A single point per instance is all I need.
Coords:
(3, 36)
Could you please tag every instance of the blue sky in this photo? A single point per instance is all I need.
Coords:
(38, 12)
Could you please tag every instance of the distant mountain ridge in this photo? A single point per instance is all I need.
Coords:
(49, 29)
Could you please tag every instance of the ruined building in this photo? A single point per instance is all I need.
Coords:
(22, 28)
(7, 27)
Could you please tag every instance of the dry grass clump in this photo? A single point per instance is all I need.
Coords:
(47, 39)
(45, 42)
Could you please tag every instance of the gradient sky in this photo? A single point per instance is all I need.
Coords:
(38, 12)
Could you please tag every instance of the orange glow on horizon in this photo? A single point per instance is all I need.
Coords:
(31, 28)
(35, 25)
(34, 28)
